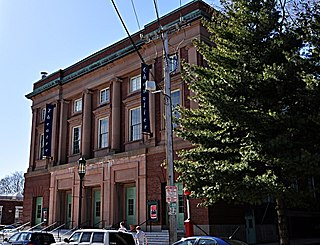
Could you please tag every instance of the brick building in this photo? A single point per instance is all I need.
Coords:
(97, 115)
(11, 209)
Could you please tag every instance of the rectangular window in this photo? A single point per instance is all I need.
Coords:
(130, 206)
(135, 124)
(76, 137)
(41, 146)
(43, 114)
(18, 214)
(97, 237)
(173, 63)
(103, 132)
(39, 209)
(104, 96)
(135, 83)
(175, 101)
(97, 211)
(77, 105)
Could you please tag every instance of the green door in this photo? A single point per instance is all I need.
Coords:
(69, 209)
(180, 209)
(38, 214)
(131, 205)
(96, 208)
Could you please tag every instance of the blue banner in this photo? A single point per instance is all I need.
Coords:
(48, 130)
(145, 114)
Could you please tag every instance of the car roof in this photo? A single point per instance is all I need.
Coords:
(95, 230)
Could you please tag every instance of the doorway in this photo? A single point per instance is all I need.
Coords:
(130, 205)
(38, 210)
(96, 208)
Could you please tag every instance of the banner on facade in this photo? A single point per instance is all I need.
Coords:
(145, 114)
(48, 130)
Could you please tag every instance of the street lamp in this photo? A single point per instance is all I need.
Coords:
(82, 173)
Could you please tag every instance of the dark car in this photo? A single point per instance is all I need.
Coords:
(29, 237)
(207, 240)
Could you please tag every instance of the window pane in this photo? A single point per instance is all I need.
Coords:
(175, 101)
(76, 140)
(135, 83)
(173, 63)
(103, 132)
(97, 237)
(104, 95)
(130, 206)
(85, 237)
(98, 204)
(77, 105)
(135, 124)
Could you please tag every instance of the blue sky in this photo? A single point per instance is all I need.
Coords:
(36, 36)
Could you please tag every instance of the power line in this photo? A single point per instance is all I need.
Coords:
(124, 26)
(157, 13)
(135, 13)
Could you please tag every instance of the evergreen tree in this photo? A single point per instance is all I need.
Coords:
(256, 132)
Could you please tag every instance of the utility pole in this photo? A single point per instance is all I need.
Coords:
(169, 138)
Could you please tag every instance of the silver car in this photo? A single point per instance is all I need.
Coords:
(98, 237)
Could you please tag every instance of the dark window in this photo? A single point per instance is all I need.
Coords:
(121, 238)
(69, 210)
(86, 237)
(39, 211)
(130, 206)
(98, 237)
(98, 209)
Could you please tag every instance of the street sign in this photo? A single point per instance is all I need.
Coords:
(171, 194)
(172, 208)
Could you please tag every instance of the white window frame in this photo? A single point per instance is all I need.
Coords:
(103, 136)
(77, 105)
(78, 140)
(41, 146)
(43, 114)
(104, 96)
(135, 83)
(135, 127)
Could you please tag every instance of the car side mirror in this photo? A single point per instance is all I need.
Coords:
(66, 240)
(5, 240)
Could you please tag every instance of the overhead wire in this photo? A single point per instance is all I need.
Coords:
(124, 26)
(135, 13)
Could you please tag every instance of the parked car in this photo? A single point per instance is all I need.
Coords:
(2, 227)
(8, 231)
(207, 240)
(99, 236)
(29, 237)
